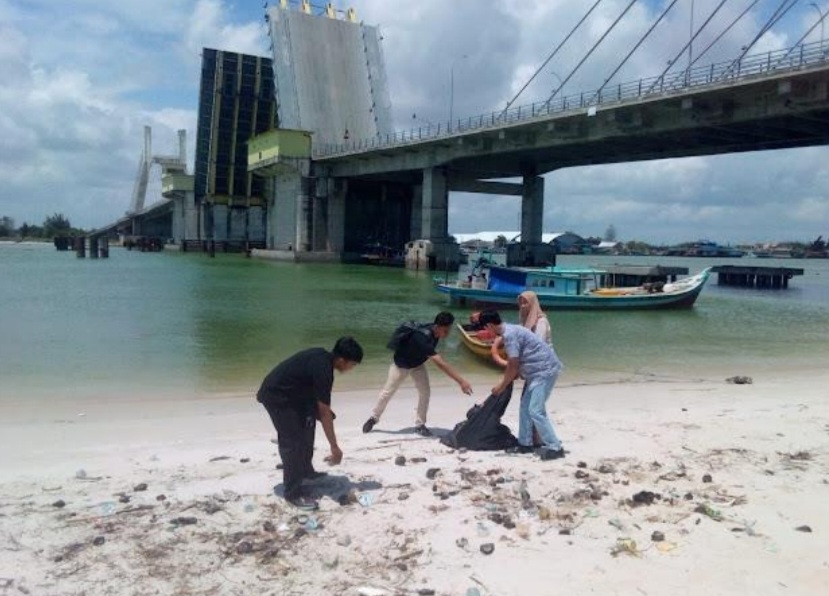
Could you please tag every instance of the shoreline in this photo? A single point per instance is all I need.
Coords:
(752, 457)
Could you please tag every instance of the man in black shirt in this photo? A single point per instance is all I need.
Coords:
(296, 394)
(410, 357)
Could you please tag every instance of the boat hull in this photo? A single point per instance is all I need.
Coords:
(480, 348)
(684, 297)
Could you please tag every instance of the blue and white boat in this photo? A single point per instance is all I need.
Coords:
(559, 288)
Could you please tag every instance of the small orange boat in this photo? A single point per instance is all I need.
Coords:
(480, 345)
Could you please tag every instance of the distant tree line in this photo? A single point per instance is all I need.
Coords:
(56, 224)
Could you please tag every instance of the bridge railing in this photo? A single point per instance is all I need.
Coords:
(748, 67)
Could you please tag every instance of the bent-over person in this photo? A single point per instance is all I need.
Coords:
(410, 358)
(297, 393)
(536, 361)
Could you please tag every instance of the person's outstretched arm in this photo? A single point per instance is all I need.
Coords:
(452, 373)
(326, 418)
(510, 374)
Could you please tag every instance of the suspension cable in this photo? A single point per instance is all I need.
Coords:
(550, 57)
(640, 42)
(799, 41)
(784, 7)
(587, 55)
(661, 78)
(726, 30)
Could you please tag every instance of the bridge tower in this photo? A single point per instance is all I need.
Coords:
(330, 86)
(176, 184)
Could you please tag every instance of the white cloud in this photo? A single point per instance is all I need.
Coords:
(208, 27)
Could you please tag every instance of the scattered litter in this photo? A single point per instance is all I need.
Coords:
(645, 497)
(369, 591)
(706, 509)
(739, 380)
(400, 460)
(803, 529)
(365, 499)
(625, 546)
(657, 536)
(311, 524)
(184, 521)
(107, 507)
(487, 548)
(616, 523)
(665, 547)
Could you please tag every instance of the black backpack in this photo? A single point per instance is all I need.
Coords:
(404, 332)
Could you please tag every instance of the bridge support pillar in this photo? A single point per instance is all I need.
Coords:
(444, 254)
(532, 209)
(335, 215)
(327, 203)
(289, 211)
(531, 250)
(435, 205)
(185, 218)
(416, 226)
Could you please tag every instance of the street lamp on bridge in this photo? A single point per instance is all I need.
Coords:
(822, 17)
(452, 88)
(560, 85)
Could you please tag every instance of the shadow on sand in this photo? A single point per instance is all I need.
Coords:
(337, 487)
(410, 430)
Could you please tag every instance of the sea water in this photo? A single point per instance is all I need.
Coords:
(178, 324)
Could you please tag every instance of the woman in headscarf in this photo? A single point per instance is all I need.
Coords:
(532, 317)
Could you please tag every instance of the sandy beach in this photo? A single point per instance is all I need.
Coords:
(670, 486)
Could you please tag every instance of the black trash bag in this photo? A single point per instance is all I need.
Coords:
(482, 430)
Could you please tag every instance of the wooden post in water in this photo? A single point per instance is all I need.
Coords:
(93, 247)
(103, 247)
(80, 247)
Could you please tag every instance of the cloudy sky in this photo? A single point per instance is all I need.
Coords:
(80, 79)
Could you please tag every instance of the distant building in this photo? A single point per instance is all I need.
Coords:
(564, 242)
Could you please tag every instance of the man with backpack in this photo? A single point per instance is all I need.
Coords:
(414, 344)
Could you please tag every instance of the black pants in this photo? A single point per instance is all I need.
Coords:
(295, 432)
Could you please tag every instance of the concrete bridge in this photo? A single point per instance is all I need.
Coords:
(774, 100)
(296, 154)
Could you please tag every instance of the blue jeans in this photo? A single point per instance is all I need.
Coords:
(533, 412)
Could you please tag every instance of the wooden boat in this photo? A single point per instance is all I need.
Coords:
(572, 289)
(480, 346)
